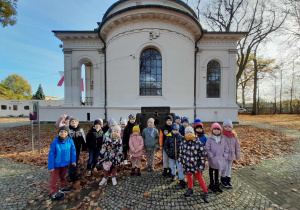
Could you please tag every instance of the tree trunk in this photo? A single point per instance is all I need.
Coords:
(243, 96)
(254, 107)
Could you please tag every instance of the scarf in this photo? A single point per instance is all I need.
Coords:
(217, 138)
(228, 134)
(200, 134)
(62, 139)
(189, 137)
(151, 132)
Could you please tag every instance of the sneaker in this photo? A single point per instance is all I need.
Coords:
(95, 170)
(152, 168)
(64, 190)
(58, 196)
(103, 181)
(172, 178)
(149, 169)
(109, 175)
(223, 182)
(125, 162)
(228, 181)
(206, 198)
(188, 193)
(89, 173)
(114, 181)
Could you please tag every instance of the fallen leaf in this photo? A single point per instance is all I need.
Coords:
(275, 193)
(294, 190)
(146, 194)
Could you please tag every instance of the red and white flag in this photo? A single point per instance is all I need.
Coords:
(61, 81)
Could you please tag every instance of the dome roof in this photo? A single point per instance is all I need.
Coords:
(123, 4)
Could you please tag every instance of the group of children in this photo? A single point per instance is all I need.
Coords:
(184, 148)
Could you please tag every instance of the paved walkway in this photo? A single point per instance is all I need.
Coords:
(9, 124)
(278, 178)
(273, 184)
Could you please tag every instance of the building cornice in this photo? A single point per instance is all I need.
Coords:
(78, 35)
(147, 12)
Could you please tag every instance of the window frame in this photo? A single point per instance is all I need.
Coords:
(211, 66)
(152, 69)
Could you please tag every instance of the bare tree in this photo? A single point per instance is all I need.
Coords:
(259, 18)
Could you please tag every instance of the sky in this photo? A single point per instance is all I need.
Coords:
(30, 49)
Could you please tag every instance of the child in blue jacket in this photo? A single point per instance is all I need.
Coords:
(62, 152)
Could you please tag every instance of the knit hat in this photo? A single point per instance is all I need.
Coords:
(228, 123)
(198, 123)
(185, 119)
(116, 127)
(74, 118)
(189, 128)
(131, 116)
(64, 128)
(175, 126)
(150, 120)
(98, 122)
(177, 117)
(113, 123)
(123, 121)
(169, 117)
(111, 120)
(215, 125)
(136, 129)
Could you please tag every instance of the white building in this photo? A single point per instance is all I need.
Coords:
(149, 53)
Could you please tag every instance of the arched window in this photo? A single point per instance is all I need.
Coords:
(150, 73)
(213, 79)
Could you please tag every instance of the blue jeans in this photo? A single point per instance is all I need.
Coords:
(173, 163)
(93, 158)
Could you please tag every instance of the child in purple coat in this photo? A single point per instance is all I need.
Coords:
(234, 152)
(217, 151)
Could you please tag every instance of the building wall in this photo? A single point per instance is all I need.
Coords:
(123, 54)
(22, 107)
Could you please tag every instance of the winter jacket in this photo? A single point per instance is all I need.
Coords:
(78, 136)
(217, 153)
(150, 142)
(182, 130)
(192, 155)
(136, 145)
(111, 151)
(164, 131)
(94, 138)
(105, 128)
(203, 139)
(234, 148)
(172, 145)
(126, 135)
(61, 154)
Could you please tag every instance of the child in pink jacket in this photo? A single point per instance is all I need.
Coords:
(234, 152)
(136, 145)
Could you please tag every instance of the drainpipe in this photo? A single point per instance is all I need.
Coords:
(105, 79)
(195, 70)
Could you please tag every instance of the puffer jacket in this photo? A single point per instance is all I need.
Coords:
(61, 154)
(217, 152)
(150, 142)
(94, 138)
(172, 145)
(111, 151)
(136, 145)
(192, 155)
(234, 148)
